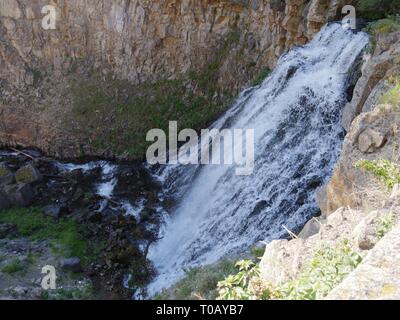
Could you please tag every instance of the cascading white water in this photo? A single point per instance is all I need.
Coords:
(296, 117)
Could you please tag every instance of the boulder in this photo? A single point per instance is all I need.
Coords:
(55, 211)
(28, 174)
(370, 140)
(6, 176)
(20, 195)
(71, 264)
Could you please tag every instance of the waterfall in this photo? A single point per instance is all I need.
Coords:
(295, 114)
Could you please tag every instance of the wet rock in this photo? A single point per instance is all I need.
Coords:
(7, 230)
(23, 195)
(28, 174)
(55, 211)
(4, 201)
(71, 264)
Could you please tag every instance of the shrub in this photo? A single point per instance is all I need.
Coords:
(321, 274)
(236, 287)
(324, 272)
(200, 282)
(386, 25)
(385, 170)
(12, 267)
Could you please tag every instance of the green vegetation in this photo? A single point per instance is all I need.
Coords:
(200, 282)
(236, 287)
(84, 293)
(116, 115)
(261, 76)
(385, 224)
(327, 269)
(24, 175)
(386, 25)
(392, 96)
(12, 267)
(385, 170)
(258, 252)
(377, 9)
(65, 234)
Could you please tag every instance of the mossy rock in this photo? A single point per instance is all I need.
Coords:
(28, 174)
(4, 171)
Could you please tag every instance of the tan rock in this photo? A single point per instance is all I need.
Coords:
(370, 140)
(136, 41)
(10, 9)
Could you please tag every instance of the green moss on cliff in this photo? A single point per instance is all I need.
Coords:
(390, 24)
(115, 116)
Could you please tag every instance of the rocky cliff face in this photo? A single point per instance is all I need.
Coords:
(372, 130)
(137, 41)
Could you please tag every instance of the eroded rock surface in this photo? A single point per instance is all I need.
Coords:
(134, 41)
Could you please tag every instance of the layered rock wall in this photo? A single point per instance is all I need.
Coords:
(138, 41)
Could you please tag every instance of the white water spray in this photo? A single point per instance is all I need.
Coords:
(296, 117)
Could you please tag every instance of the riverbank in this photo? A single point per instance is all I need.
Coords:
(98, 216)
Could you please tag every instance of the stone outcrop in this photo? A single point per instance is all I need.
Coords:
(137, 41)
(372, 131)
(377, 277)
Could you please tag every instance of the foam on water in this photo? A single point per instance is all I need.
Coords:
(296, 117)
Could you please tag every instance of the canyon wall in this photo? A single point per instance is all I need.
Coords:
(137, 41)
(373, 130)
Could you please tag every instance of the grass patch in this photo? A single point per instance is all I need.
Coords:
(12, 267)
(199, 283)
(261, 77)
(384, 170)
(387, 25)
(65, 235)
